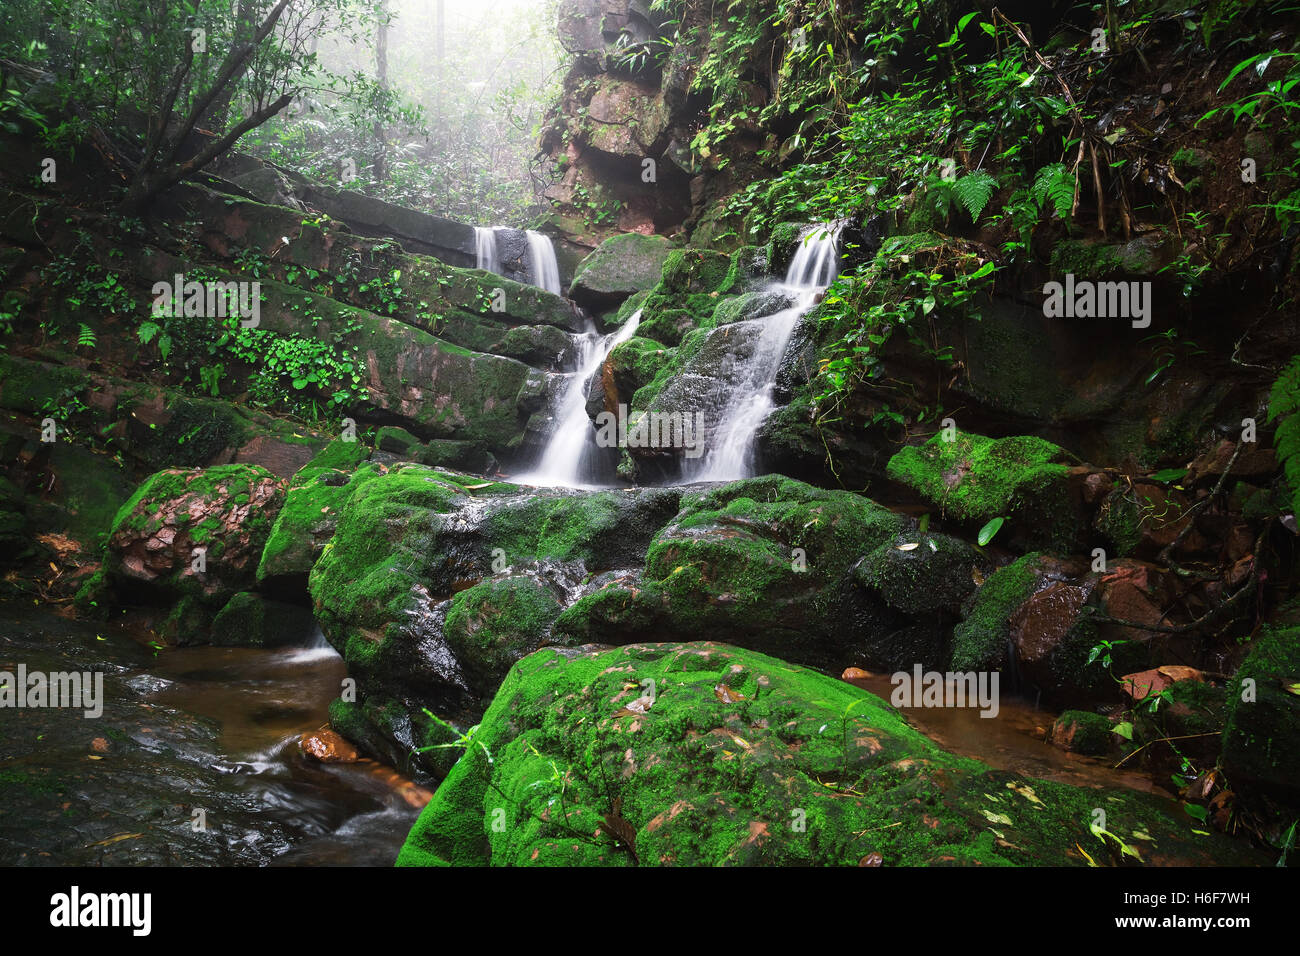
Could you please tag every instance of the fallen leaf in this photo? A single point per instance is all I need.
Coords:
(854, 673)
(99, 745)
(909, 547)
(726, 694)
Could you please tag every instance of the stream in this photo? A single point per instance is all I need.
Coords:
(216, 730)
(188, 736)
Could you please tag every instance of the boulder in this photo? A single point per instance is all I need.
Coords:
(222, 515)
(701, 754)
(619, 267)
(974, 479)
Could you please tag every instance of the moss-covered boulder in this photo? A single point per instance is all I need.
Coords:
(1083, 732)
(495, 623)
(766, 561)
(193, 533)
(975, 479)
(619, 267)
(1261, 740)
(702, 754)
(311, 511)
(405, 586)
(980, 641)
(631, 366)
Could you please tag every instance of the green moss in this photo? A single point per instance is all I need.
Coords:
(496, 622)
(1088, 733)
(980, 641)
(1261, 738)
(695, 271)
(976, 479)
(786, 767)
(922, 574)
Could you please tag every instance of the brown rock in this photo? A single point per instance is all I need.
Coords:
(327, 747)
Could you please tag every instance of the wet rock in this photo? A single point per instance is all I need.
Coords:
(1081, 731)
(327, 746)
(251, 620)
(310, 513)
(725, 752)
(768, 561)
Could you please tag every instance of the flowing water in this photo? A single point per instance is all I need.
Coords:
(543, 270)
(194, 760)
(571, 457)
(729, 454)
(485, 249)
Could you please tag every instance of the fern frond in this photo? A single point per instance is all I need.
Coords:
(973, 191)
(86, 336)
(147, 331)
(1054, 186)
(1284, 403)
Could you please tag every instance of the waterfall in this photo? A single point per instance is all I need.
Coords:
(485, 249)
(746, 404)
(542, 267)
(569, 457)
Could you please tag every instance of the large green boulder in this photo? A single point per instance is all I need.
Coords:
(618, 268)
(701, 754)
(975, 479)
(769, 562)
(311, 510)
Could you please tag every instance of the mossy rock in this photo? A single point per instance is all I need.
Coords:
(495, 623)
(618, 268)
(409, 540)
(251, 620)
(767, 562)
(695, 271)
(975, 479)
(701, 754)
(979, 642)
(923, 574)
(311, 511)
(633, 365)
(1261, 738)
(226, 512)
(1084, 732)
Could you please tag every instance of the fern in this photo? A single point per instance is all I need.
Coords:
(973, 191)
(86, 337)
(1284, 403)
(147, 331)
(1054, 186)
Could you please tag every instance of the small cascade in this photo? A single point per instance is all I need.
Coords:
(571, 458)
(485, 249)
(543, 270)
(746, 404)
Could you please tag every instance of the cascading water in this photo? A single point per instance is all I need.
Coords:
(543, 270)
(729, 454)
(485, 249)
(571, 453)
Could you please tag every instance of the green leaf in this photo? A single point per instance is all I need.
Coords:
(1124, 729)
(989, 530)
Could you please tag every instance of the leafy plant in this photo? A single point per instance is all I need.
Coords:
(1284, 407)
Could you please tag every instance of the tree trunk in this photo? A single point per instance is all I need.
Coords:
(381, 73)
